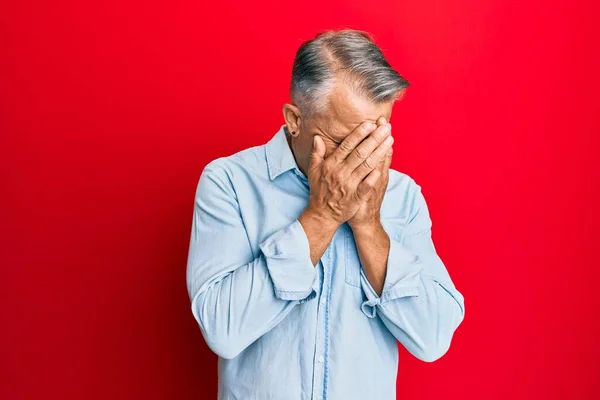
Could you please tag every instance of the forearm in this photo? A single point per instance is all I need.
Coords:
(373, 245)
(405, 282)
(319, 231)
(239, 308)
(424, 324)
(418, 303)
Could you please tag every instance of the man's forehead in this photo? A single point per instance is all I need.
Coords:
(347, 109)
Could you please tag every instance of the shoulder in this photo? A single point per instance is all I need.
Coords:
(403, 197)
(402, 181)
(246, 163)
(403, 185)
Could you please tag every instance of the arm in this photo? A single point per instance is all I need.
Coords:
(235, 296)
(319, 230)
(408, 286)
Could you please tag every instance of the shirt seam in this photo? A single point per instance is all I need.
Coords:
(294, 291)
(326, 363)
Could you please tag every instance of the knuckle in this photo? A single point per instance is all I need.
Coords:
(361, 153)
(346, 146)
(370, 163)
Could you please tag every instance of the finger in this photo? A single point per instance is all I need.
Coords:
(364, 150)
(388, 159)
(385, 166)
(317, 153)
(383, 163)
(381, 121)
(388, 154)
(352, 140)
(366, 187)
(372, 161)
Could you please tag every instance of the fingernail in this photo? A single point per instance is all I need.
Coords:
(370, 126)
(389, 140)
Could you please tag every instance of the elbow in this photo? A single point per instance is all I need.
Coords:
(438, 344)
(226, 349)
(435, 346)
(432, 352)
(217, 339)
(219, 342)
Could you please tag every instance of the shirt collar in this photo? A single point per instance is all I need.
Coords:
(279, 155)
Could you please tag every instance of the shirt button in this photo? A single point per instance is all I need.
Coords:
(323, 300)
(321, 359)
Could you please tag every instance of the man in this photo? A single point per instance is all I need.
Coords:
(309, 257)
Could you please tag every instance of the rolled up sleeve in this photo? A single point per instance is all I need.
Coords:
(419, 302)
(402, 278)
(287, 254)
(237, 296)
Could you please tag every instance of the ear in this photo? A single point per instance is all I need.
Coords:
(291, 115)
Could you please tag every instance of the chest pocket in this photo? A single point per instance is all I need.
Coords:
(352, 262)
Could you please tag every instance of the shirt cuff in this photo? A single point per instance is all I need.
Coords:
(287, 254)
(401, 280)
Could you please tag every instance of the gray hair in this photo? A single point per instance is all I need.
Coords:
(347, 55)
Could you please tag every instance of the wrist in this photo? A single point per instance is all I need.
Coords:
(325, 221)
(367, 228)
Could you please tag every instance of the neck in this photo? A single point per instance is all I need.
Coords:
(290, 141)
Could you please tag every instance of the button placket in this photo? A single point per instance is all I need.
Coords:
(320, 342)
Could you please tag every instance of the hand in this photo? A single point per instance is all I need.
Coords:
(342, 182)
(368, 214)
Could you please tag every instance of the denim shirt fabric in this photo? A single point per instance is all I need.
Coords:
(287, 330)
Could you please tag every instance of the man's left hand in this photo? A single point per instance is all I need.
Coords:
(368, 214)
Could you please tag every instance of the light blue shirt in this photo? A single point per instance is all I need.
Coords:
(286, 330)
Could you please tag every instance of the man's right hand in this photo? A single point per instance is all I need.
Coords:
(337, 183)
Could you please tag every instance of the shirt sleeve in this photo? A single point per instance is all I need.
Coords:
(236, 296)
(419, 303)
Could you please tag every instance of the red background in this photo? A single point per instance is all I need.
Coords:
(110, 110)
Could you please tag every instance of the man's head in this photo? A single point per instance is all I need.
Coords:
(339, 80)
